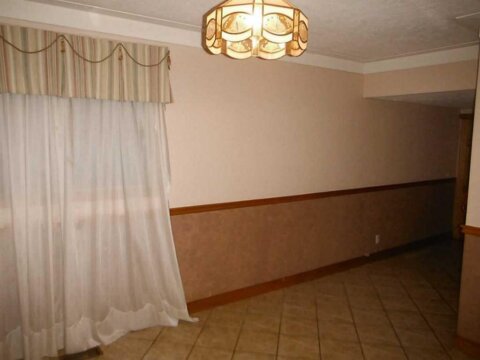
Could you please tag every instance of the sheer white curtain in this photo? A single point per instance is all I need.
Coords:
(86, 250)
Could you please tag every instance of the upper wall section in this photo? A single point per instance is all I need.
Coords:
(473, 211)
(242, 130)
(427, 79)
(473, 215)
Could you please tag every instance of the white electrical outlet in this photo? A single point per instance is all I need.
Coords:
(377, 239)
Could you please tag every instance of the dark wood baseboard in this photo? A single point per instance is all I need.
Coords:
(468, 347)
(241, 294)
(287, 199)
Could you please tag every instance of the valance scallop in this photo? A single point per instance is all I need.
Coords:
(40, 62)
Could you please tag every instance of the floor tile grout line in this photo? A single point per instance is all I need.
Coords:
(244, 316)
(353, 319)
(318, 326)
(442, 297)
(425, 319)
(388, 316)
(455, 311)
(436, 288)
(198, 336)
(153, 342)
(445, 300)
(280, 325)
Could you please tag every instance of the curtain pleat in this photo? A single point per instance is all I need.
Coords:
(86, 248)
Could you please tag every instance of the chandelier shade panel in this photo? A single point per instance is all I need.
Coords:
(268, 29)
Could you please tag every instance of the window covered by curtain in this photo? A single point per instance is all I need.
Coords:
(86, 249)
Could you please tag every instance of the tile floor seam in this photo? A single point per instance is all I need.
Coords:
(318, 331)
(452, 278)
(198, 336)
(388, 317)
(153, 342)
(446, 301)
(279, 332)
(443, 298)
(239, 334)
(426, 320)
(353, 319)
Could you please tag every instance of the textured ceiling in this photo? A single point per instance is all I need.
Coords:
(464, 99)
(361, 30)
(471, 21)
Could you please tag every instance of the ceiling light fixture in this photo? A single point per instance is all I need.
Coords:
(268, 29)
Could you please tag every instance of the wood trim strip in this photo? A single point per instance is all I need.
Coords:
(241, 294)
(471, 230)
(295, 198)
(468, 347)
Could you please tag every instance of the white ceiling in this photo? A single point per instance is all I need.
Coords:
(464, 99)
(360, 30)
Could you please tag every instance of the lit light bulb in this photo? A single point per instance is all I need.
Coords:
(254, 21)
(257, 20)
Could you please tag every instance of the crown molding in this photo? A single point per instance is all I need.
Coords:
(66, 19)
(327, 62)
(69, 18)
(432, 58)
(124, 14)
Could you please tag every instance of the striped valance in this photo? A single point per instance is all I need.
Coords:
(83, 67)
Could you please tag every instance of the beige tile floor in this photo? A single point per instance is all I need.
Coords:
(404, 307)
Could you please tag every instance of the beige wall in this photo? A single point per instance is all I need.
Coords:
(255, 129)
(469, 309)
(473, 214)
(427, 79)
(473, 211)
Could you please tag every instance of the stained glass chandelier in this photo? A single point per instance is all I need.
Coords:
(268, 29)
